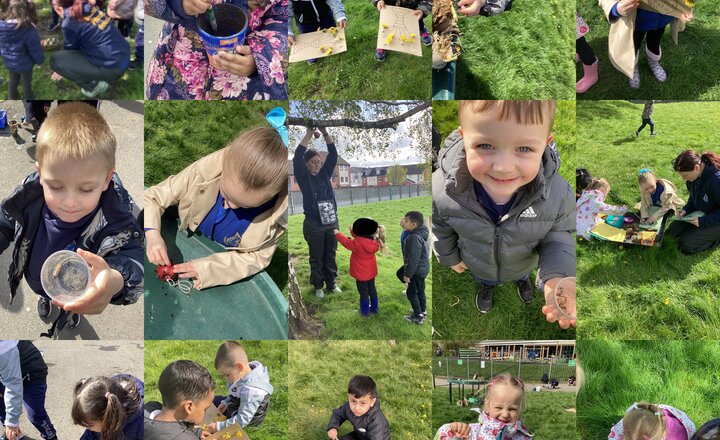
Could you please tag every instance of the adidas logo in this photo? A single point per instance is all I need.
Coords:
(528, 213)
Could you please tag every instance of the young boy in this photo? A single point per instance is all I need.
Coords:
(499, 202)
(416, 265)
(75, 201)
(422, 8)
(236, 196)
(187, 391)
(362, 410)
(248, 384)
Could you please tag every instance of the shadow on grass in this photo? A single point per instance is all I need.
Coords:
(624, 140)
(469, 86)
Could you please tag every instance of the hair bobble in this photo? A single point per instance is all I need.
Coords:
(276, 117)
(643, 171)
(107, 395)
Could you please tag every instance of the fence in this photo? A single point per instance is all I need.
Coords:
(526, 370)
(364, 195)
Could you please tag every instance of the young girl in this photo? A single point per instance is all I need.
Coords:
(659, 193)
(181, 69)
(630, 24)
(111, 408)
(311, 15)
(369, 238)
(647, 421)
(20, 46)
(500, 419)
(586, 55)
(591, 203)
(583, 178)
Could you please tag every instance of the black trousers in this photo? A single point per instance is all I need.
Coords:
(73, 65)
(645, 122)
(350, 436)
(416, 294)
(692, 239)
(583, 49)
(653, 39)
(322, 245)
(366, 289)
(15, 79)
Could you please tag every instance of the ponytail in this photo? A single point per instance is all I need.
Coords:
(712, 159)
(109, 401)
(380, 238)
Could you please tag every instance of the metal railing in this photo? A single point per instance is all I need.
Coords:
(527, 370)
(363, 195)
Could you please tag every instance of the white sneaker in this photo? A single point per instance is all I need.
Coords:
(319, 293)
(100, 87)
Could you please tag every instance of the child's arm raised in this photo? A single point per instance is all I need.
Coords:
(332, 157)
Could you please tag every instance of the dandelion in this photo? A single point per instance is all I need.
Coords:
(666, 301)
(690, 3)
(619, 297)
(384, 26)
(389, 38)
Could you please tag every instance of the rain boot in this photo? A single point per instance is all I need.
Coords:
(364, 308)
(374, 305)
(589, 79)
(654, 62)
(635, 80)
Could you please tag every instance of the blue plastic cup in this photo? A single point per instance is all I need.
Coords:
(232, 24)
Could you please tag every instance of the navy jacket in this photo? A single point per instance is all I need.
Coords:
(133, 428)
(114, 234)
(318, 187)
(705, 197)
(20, 48)
(97, 38)
(415, 252)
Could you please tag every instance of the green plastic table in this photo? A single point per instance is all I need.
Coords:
(461, 386)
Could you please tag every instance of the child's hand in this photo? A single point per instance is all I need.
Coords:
(241, 63)
(624, 7)
(682, 214)
(686, 17)
(222, 408)
(204, 434)
(211, 427)
(650, 220)
(406, 279)
(551, 312)
(55, 77)
(12, 432)
(188, 270)
(380, 5)
(195, 7)
(470, 8)
(459, 429)
(156, 249)
(418, 13)
(342, 24)
(695, 222)
(332, 434)
(291, 41)
(105, 283)
(335, 232)
(459, 268)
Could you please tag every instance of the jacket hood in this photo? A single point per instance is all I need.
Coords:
(257, 378)
(422, 231)
(6, 346)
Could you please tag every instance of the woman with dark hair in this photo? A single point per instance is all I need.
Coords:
(94, 51)
(701, 173)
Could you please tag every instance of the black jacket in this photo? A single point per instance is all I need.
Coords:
(705, 196)
(415, 252)
(317, 187)
(370, 426)
(33, 367)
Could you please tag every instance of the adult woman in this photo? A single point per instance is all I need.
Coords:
(701, 173)
(315, 180)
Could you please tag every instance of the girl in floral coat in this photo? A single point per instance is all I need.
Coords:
(647, 421)
(591, 203)
(181, 69)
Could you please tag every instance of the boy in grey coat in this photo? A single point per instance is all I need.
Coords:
(500, 208)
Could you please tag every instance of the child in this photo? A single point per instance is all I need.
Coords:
(499, 203)
(75, 201)
(311, 15)
(248, 384)
(181, 69)
(187, 391)
(236, 196)
(415, 263)
(111, 408)
(362, 410)
(708, 431)
(586, 55)
(656, 192)
(23, 380)
(648, 421)
(369, 238)
(20, 46)
(630, 23)
(500, 419)
(647, 119)
(422, 8)
(583, 178)
(592, 203)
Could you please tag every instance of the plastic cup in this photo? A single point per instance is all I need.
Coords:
(564, 299)
(65, 276)
(232, 24)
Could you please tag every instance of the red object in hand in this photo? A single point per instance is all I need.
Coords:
(165, 273)
(316, 134)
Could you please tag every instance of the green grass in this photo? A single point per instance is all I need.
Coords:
(692, 65)
(272, 354)
(544, 413)
(524, 53)
(177, 133)
(319, 373)
(529, 371)
(339, 312)
(623, 289)
(356, 74)
(454, 307)
(129, 86)
(682, 374)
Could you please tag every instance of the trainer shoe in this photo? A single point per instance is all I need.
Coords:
(426, 39)
(319, 293)
(524, 290)
(44, 307)
(100, 87)
(380, 55)
(484, 298)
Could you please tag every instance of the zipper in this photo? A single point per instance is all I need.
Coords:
(317, 14)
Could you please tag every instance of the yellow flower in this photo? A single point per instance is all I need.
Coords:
(389, 39)
(690, 3)
(666, 301)
(384, 26)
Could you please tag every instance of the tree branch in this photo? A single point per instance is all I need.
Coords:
(347, 122)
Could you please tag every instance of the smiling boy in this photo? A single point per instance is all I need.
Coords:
(362, 410)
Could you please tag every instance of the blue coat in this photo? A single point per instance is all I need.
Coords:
(20, 48)
(97, 38)
(705, 197)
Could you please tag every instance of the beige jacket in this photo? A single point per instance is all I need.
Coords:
(669, 200)
(620, 40)
(195, 191)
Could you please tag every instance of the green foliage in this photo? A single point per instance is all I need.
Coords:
(396, 174)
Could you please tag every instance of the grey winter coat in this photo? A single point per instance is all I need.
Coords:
(11, 379)
(251, 394)
(539, 225)
(415, 252)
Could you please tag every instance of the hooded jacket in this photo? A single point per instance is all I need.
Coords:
(705, 196)
(97, 38)
(415, 252)
(538, 226)
(194, 190)
(370, 426)
(669, 200)
(363, 265)
(20, 48)
(311, 11)
(251, 396)
(159, 430)
(11, 379)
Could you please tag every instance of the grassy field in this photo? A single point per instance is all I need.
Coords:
(637, 292)
(544, 414)
(455, 314)
(272, 354)
(356, 74)
(524, 53)
(339, 312)
(129, 86)
(175, 137)
(528, 371)
(682, 374)
(319, 373)
(692, 65)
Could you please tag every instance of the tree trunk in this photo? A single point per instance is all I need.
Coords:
(300, 324)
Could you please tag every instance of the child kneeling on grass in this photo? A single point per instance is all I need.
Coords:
(500, 418)
(111, 408)
(591, 204)
(416, 265)
(648, 421)
(362, 410)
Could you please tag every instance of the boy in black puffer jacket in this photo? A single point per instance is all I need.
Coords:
(362, 410)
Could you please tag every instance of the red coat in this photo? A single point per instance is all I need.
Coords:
(363, 266)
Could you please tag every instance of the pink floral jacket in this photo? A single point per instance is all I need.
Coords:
(589, 205)
(180, 68)
(489, 429)
(617, 432)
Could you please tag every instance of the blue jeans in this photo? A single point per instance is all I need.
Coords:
(538, 282)
(34, 400)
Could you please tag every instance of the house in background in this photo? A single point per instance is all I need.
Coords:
(345, 175)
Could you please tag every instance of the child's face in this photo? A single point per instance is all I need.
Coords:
(72, 187)
(502, 156)
(232, 374)
(195, 411)
(407, 224)
(503, 403)
(361, 405)
(236, 196)
(650, 186)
